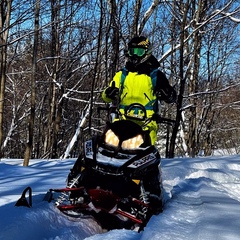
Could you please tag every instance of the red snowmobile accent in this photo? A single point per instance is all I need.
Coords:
(101, 201)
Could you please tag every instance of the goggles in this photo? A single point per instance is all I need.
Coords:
(136, 51)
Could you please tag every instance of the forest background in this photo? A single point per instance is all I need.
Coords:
(57, 56)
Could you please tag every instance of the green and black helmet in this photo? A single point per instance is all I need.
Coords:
(139, 50)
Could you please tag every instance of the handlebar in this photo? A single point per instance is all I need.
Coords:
(155, 117)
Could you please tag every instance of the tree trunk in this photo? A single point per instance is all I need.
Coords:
(115, 38)
(193, 80)
(5, 13)
(29, 145)
(55, 108)
(182, 82)
(136, 18)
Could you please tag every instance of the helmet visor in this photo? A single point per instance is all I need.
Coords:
(136, 51)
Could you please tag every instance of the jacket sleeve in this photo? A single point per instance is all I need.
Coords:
(164, 90)
(116, 79)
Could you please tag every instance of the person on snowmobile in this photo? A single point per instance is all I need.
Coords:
(140, 81)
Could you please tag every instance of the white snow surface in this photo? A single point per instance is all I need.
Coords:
(202, 202)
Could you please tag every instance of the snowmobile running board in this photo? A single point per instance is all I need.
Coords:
(84, 206)
(66, 189)
(49, 197)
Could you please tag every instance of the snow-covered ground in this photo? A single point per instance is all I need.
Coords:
(202, 202)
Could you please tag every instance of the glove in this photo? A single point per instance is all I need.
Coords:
(112, 92)
(167, 96)
(172, 98)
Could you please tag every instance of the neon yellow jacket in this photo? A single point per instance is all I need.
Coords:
(137, 88)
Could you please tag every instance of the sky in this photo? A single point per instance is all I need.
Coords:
(202, 202)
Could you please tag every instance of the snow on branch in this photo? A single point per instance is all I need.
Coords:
(147, 15)
(213, 91)
(229, 15)
(211, 18)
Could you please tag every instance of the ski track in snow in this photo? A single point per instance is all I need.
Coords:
(202, 198)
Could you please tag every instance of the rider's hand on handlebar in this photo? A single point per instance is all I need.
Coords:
(167, 96)
(112, 92)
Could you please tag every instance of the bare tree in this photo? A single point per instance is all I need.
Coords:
(182, 77)
(33, 87)
(5, 14)
(200, 18)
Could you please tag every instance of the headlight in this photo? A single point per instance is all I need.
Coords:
(111, 138)
(132, 143)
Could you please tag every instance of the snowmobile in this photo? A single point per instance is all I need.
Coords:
(117, 179)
